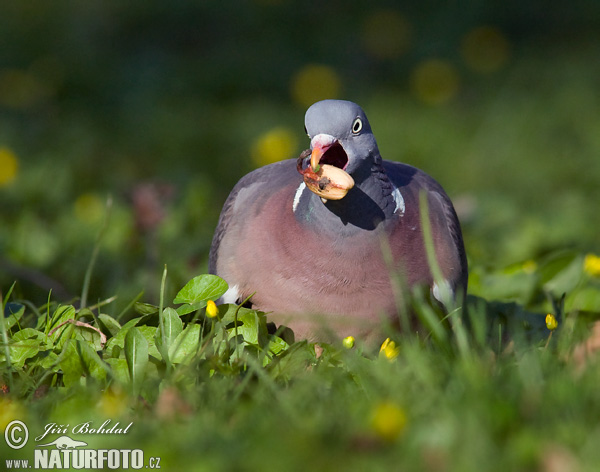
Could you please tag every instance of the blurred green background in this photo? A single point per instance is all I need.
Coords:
(163, 106)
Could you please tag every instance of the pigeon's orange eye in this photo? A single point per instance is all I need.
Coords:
(357, 126)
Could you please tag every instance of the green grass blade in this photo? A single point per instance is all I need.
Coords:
(5, 343)
(136, 355)
(90, 268)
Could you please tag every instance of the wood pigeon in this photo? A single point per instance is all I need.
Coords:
(316, 240)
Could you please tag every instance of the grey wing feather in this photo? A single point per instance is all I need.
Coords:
(403, 175)
(275, 175)
(451, 220)
(224, 219)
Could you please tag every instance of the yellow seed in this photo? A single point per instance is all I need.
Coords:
(211, 309)
(348, 342)
(551, 322)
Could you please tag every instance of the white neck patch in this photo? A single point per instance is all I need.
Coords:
(399, 199)
(297, 196)
(231, 295)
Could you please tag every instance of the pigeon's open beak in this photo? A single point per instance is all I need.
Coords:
(327, 150)
(325, 176)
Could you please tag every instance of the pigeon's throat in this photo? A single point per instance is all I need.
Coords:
(329, 153)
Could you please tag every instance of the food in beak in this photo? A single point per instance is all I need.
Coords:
(329, 182)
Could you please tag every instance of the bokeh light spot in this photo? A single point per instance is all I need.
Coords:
(112, 403)
(89, 208)
(20, 90)
(10, 410)
(435, 81)
(386, 34)
(485, 49)
(9, 166)
(274, 145)
(388, 421)
(591, 265)
(315, 82)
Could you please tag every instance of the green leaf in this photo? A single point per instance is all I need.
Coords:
(145, 308)
(583, 299)
(249, 327)
(89, 336)
(172, 326)
(200, 289)
(136, 355)
(93, 365)
(120, 370)
(185, 345)
(78, 359)
(557, 262)
(132, 322)
(30, 333)
(13, 313)
(563, 274)
(187, 308)
(148, 332)
(276, 346)
(251, 324)
(110, 323)
(70, 364)
(21, 351)
(47, 360)
(62, 314)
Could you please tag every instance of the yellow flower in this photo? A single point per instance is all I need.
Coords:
(591, 265)
(211, 309)
(277, 144)
(388, 421)
(348, 342)
(9, 166)
(551, 322)
(389, 350)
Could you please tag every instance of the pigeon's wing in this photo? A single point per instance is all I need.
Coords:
(247, 197)
(447, 234)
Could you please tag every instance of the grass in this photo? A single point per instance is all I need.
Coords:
(517, 150)
(222, 394)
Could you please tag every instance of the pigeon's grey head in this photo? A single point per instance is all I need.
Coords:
(340, 135)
